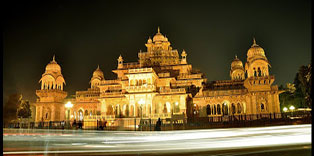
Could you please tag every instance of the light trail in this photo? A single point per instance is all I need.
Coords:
(148, 142)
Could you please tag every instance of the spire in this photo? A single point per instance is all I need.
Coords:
(236, 57)
(53, 58)
(158, 30)
(254, 42)
(98, 67)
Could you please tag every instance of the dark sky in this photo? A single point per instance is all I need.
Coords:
(83, 34)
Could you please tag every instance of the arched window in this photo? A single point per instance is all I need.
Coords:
(46, 115)
(233, 108)
(214, 110)
(86, 112)
(225, 109)
(90, 113)
(259, 71)
(239, 108)
(165, 109)
(176, 107)
(218, 109)
(208, 111)
(262, 106)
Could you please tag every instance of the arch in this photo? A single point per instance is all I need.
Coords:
(109, 110)
(262, 107)
(215, 110)
(90, 113)
(168, 107)
(239, 108)
(225, 108)
(243, 104)
(218, 109)
(176, 107)
(132, 82)
(140, 82)
(117, 110)
(259, 72)
(233, 109)
(208, 110)
(86, 112)
(132, 110)
(80, 114)
(164, 110)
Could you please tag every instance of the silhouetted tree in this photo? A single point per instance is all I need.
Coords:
(10, 108)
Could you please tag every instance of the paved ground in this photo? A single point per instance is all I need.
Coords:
(232, 141)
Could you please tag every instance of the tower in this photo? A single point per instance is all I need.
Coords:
(120, 62)
(183, 57)
(49, 105)
(257, 63)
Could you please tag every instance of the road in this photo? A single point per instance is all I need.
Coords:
(212, 141)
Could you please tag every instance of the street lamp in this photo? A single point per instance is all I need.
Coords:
(68, 105)
(285, 109)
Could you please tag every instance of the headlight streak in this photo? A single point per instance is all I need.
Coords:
(170, 141)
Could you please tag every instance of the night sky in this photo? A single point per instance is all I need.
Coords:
(83, 34)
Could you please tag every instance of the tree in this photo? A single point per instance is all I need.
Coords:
(305, 83)
(24, 110)
(10, 108)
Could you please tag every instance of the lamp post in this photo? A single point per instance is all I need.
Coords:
(285, 109)
(68, 105)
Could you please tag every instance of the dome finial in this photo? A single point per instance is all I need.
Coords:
(53, 58)
(158, 29)
(254, 42)
(98, 66)
(236, 56)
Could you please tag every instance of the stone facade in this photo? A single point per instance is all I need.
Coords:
(163, 85)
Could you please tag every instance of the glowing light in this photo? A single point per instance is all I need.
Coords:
(69, 105)
(292, 108)
(285, 109)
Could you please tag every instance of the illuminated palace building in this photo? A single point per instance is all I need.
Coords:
(162, 85)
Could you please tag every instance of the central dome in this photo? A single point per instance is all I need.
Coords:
(159, 37)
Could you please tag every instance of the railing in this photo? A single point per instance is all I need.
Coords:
(140, 70)
(110, 82)
(171, 91)
(188, 76)
(143, 88)
(168, 123)
(111, 94)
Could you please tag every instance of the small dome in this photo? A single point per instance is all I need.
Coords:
(149, 40)
(255, 50)
(236, 63)
(53, 66)
(98, 73)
